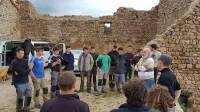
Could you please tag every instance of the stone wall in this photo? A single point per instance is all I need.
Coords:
(182, 41)
(9, 21)
(169, 11)
(128, 27)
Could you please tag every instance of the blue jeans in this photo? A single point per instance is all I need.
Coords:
(23, 90)
(149, 83)
(120, 81)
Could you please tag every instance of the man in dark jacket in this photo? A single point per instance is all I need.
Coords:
(136, 93)
(129, 61)
(28, 48)
(68, 59)
(20, 70)
(113, 55)
(120, 70)
(68, 101)
(94, 69)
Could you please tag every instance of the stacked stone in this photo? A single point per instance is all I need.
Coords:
(9, 21)
(181, 41)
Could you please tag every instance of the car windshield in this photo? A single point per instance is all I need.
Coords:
(76, 53)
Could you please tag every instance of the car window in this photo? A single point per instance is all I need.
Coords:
(11, 46)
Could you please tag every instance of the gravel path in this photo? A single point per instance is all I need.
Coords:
(103, 103)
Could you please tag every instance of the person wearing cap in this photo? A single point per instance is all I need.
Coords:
(155, 55)
(168, 79)
(136, 59)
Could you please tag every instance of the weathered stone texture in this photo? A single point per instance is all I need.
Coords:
(169, 11)
(181, 40)
(9, 21)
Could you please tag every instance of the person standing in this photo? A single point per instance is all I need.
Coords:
(120, 70)
(68, 59)
(113, 55)
(55, 72)
(85, 64)
(38, 78)
(20, 79)
(168, 79)
(28, 48)
(145, 68)
(103, 62)
(67, 101)
(155, 55)
(94, 69)
(129, 62)
(136, 59)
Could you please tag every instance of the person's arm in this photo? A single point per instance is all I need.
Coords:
(177, 95)
(97, 60)
(92, 62)
(31, 64)
(177, 92)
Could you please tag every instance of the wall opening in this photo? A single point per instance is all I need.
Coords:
(107, 28)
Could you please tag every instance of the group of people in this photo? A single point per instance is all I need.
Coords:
(134, 74)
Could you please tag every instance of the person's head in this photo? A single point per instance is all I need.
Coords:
(28, 40)
(20, 53)
(92, 50)
(147, 53)
(153, 47)
(66, 81)
(130, 49)
(85, 50)
(160, 98)
(164, 61)
(39, 51)
(68, 49)
(135, 92)
(120, 50)
(56, 50)
(105, 51)
(114, 48)
(140, 52)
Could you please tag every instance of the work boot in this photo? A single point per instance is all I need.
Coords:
(19, 107)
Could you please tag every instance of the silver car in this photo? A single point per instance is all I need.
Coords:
(76, 54)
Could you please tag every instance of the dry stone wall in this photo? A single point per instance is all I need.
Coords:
(9, 21)
(128, 26)
(181, 40)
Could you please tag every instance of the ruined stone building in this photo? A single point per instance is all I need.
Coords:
(173, 24)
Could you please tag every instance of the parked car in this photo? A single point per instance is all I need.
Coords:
(76, 54)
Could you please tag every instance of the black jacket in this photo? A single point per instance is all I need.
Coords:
(28, 48)
(68, 61)
(95, 56)
(65, 103)
(113, 55)
(129, 59)
(127, 108)
(168, 79)
(19, 70)
(120, 65)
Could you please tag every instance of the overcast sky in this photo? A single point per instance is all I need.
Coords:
(89, 7)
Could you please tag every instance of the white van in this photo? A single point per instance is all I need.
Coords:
(6, 51)
(8, 46)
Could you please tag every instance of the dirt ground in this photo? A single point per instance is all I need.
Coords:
(104, 103)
